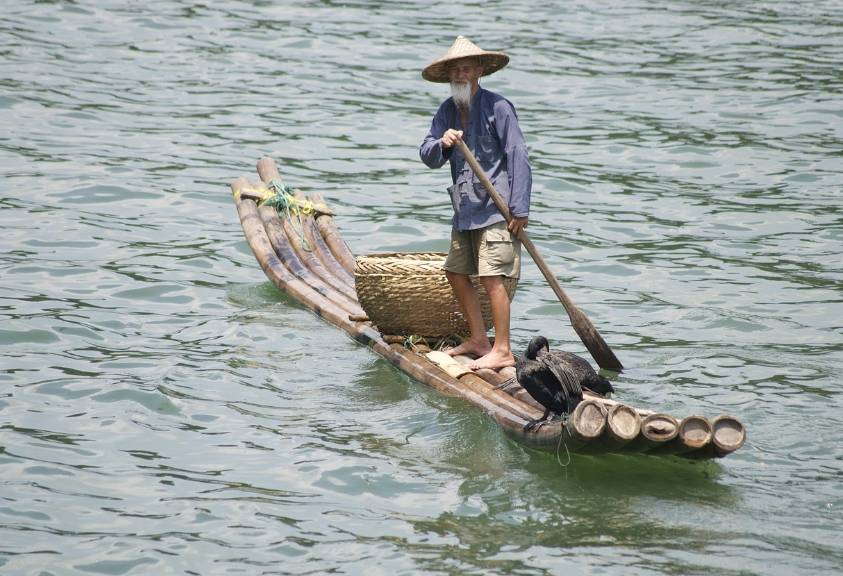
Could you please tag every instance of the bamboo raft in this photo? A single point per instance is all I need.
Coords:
(311, 262)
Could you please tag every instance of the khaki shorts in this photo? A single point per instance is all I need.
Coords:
(489, 251)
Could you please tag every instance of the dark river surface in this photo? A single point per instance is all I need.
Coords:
(165, 410)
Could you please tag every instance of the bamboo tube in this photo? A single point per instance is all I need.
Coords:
(727, 435)
(309, 254)
(278, 239)
(329, 231)
(273, 266)
(324, 254)
(587, 422)
(656, 429)
(268, 172)
(623, 424)
(464, 374)
(323, 250)
(693, 433)
(508, 372)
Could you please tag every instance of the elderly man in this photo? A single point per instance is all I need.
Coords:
(481, 241)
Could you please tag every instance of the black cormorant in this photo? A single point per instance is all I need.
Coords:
(555, 379)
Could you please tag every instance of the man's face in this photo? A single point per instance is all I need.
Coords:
(465, 70)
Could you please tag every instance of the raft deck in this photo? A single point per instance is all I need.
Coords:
(320, 275)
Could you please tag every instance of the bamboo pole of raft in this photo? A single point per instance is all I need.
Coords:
(268, 172)
(271, 262)
(309, 256)
(331, 234)
(279, 230)
(324, 254)
(278, 239)
(327, 254)
(727, 435)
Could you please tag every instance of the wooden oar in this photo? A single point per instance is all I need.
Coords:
(598, 348)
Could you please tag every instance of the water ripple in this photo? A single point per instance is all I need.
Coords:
(164, 409)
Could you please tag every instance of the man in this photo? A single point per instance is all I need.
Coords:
(481, 241)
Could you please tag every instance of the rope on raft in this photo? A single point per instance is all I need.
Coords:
(282, 197)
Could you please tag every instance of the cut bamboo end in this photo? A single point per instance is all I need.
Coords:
(587, 422)
(623, 424)
(656, 430)
(659, 428)
(728, 434)
(695, 432)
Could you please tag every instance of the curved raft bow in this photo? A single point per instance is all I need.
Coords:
(303, 254)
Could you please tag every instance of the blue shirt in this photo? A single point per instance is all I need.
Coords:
(495, 139)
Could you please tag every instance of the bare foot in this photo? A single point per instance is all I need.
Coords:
(471, 347)
(494, 360)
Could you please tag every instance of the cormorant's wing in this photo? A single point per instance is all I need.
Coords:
(578, 364)
(568, 382)
(540, 383)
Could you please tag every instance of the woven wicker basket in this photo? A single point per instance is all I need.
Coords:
(408, 294)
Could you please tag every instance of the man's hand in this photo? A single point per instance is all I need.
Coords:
(451, 137)
(516, 225)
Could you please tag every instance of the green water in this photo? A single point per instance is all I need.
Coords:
(165, 410)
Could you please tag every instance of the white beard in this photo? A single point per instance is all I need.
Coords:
(461, 93)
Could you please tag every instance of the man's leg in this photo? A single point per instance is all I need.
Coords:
(500, 354)
(477, 343)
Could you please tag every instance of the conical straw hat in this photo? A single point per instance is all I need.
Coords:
(437, 71)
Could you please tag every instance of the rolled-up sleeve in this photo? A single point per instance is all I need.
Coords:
(517, 161)
(431, 151)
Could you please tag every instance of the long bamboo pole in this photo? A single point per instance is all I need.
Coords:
(278, 238)
(326, 268)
